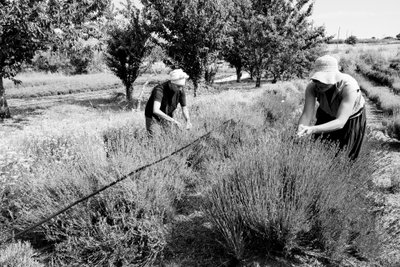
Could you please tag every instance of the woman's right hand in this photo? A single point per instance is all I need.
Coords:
(177, 123)
(304, 130)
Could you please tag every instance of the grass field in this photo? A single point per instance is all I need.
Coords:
(248, 194)
(41, 84)
(47, 84)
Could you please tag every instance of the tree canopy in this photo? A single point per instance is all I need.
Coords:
(24, 28)
(192, 32)
(27, 26)
(129, 43)
(273, 37)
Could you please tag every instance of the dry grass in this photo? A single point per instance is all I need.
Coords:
(62, 157)
(40, 84)
(19, 255)
(382, 96)
(394, 127)
(66, 160)
(283, 195)
(387, 51)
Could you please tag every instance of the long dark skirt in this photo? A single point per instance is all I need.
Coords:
(351, 136)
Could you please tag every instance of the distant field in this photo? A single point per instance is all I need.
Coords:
(387, 50)
(41, 84)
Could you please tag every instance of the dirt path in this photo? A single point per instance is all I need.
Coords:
(387, 181)
(46, 101)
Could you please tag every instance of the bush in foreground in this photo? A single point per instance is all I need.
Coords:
(283, 195)
(123, 225)
(18, 255)
(394, 127)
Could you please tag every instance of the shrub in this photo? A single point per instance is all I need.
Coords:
(77, 61)
(382, 96)
(123, 225)
(347, 64)
(394, 127)
(116, 231)
(49, 61)
(158, 68)
(80, 59)
(278, 108)
(396, 87)
(351, 40)
(19, 255)
(395, 64)
(375, 75)
(280, 194)
(372, 57)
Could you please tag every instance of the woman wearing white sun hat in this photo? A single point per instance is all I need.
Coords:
(163, 101)
(340, 115)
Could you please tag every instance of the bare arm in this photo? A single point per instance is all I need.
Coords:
(309, 107)
(344, 113)
(185, 113)
(157, 111)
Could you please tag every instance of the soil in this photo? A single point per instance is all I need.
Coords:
(387, 181)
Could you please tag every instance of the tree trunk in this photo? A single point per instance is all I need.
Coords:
(251, 70)
(129, 90)
(275, 77)
(4, 110)
(195, 86)
(2, 91)
(258, 81)
(207, 77)
(209, 74)
(258, 74)
(238, 73)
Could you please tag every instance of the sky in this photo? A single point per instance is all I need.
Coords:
(361, 18)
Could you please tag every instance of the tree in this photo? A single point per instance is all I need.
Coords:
(76, 21)
(351, 40)
(275, 37)
(398, 36)
(192, 33)
(298, 43)
(24, 29)
(235, 43)
(128, 45)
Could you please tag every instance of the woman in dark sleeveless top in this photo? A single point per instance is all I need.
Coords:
(340, 115)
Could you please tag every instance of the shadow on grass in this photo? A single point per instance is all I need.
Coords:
(115, 103)
(246, 84)
(387, 146)
(393, 146)
(20, 116)
(192, 242)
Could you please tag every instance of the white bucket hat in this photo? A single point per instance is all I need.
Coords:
(178, 77)
(326, 70)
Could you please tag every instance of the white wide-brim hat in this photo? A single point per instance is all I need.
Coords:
(178, 77)
(326, 70)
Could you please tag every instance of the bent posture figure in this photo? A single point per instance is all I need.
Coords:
(341, 114)
(163, 101)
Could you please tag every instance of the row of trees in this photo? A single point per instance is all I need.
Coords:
(29, 26)
(272, 38)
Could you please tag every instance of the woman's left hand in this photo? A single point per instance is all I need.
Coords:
(304, 130)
